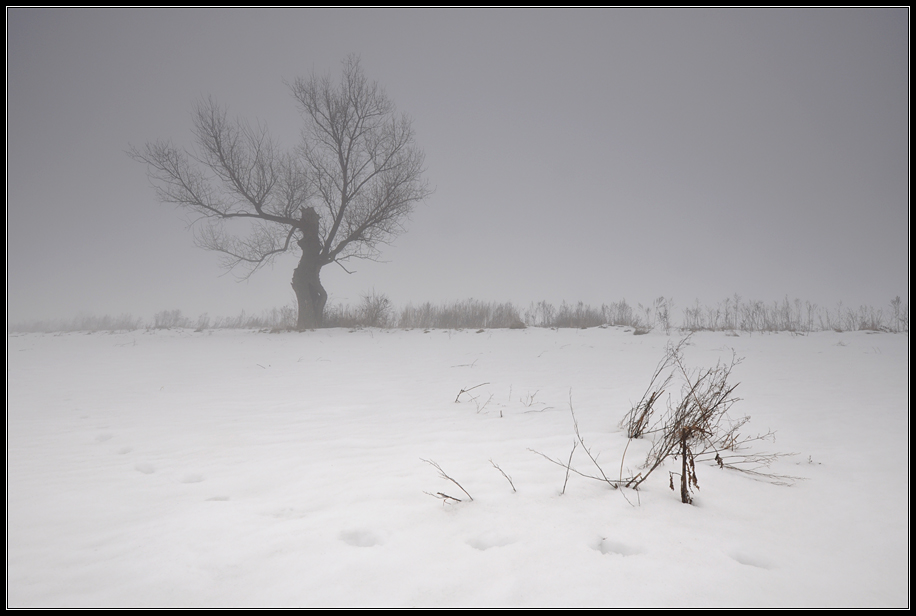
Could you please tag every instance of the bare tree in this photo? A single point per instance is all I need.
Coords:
(344, 191)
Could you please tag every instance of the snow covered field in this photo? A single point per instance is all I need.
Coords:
(236, 468)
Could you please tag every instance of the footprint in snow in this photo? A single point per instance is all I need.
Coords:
(360, 538)
(751, 561)
(101, 438)
(192, 478)
(145, 468)
(615, 547)
(490, 540)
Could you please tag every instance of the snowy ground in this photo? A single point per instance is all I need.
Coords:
(235, 468)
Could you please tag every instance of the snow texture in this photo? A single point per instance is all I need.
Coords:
(237, 468)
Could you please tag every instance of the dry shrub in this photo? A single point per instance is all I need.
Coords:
(698, 427)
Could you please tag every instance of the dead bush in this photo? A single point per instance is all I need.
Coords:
(698, 426)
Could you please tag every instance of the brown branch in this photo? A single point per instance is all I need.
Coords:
(443, 475)
(443, 497)
(568, 466)
(464, 391)
(508, 478)
(587, 451)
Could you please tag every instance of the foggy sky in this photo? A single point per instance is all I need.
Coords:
(576, 154)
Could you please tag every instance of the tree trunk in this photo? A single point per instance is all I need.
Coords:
(310, 295)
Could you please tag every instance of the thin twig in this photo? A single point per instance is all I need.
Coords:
(569, 464)
(445, 476)
(566, 465)
(582, 441)
(443, 497)
(464, 391)
(508, 478)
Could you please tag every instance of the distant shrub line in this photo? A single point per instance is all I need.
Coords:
(376, 310)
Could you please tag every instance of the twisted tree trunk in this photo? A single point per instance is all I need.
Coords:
(310, 295)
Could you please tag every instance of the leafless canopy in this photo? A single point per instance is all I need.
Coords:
(357, 166)
(362, 160)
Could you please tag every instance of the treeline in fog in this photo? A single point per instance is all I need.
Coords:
(376, 310)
